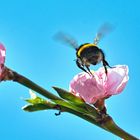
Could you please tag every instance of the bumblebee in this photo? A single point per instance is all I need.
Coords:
(89, 53)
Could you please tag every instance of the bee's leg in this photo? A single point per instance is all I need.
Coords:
(105, 64)
(105, 69)
(89, 70)
(80, 66)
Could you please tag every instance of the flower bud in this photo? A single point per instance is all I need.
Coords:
(2, 60)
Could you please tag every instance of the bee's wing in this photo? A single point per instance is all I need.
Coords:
(103, 31)
(65, 38)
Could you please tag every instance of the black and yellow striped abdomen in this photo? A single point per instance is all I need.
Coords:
(84, 47)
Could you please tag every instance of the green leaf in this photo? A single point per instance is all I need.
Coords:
(76, 103)
(36, 107)
(37, 103)
(35, 99)
(69, 96)
(72, 102)
(71, 106)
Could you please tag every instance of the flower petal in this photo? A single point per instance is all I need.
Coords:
(117, 79)
(91, 89)
(87, 87)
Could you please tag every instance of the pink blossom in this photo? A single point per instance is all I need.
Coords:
(2, 59)
(92, 88)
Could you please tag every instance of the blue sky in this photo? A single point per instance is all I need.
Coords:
(27, 29)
